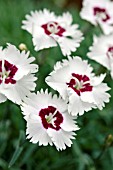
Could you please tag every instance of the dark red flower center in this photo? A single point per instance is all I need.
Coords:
(51, 118)
(80, 83)
(7, 72)
(53, 28)
(101, 13)
(110, 51)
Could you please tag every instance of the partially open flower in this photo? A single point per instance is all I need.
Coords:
(16, 74)
(99, 12)
(48, 29)
(102, 51)
(74, 80)
(48, 121)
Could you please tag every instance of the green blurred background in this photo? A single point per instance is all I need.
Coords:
(92, 149)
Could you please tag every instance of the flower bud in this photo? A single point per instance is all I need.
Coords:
(22, 47)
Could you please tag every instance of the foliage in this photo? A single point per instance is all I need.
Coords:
(95, 126)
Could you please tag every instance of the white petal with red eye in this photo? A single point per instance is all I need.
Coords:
(17, 78)
(48, 121)
(40, 16)
(78, 86)
(99, 12)
(35, 131)
(48, 30)
(21, 60)
(41, 40)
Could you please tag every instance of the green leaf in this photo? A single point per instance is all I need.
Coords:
(15, 155)
(18, 150)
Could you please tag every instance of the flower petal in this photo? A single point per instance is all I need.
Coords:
(3, 98)
(68, 45)
(98, 96)
(41, 40)
(77, 106)
(68, 123)
(61, 138)
(37, 18)
(36, 131)
(17, 92)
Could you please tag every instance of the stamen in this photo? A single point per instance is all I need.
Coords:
(80, 83)
(51, 118)
(53, 27)
(101, 13)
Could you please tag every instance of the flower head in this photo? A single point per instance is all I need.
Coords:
(74, 80)
(48, 121)
(99, 12)
(48, 29)
(102, 51)
(16, 74)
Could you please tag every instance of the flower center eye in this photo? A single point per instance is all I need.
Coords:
(7, 72)
(80, 83)
(53, 28)
(110, 49)
(110, 52)
(51, 118)
(101, 13)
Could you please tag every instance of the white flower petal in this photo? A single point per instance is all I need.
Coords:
(61, 138)
(98, 96)
(17, 76)
(16, 93)
(68, 45)
(39, 101)
(99, 49)
(77, 106)
(83, 97)
(64, 18)
(36, 131)
(3, 98)
(68, 123)
(37, 18)
(21, 60)
(87, 13)
(57, 29)
(41, 40)
(97, 79)
(46, 130)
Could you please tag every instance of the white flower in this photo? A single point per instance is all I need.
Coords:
(74, 80)
(99, 12)
(102, 51)
(16, 78)
(48, 29)
(48, 121)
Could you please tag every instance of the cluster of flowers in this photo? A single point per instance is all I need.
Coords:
(51, 119)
